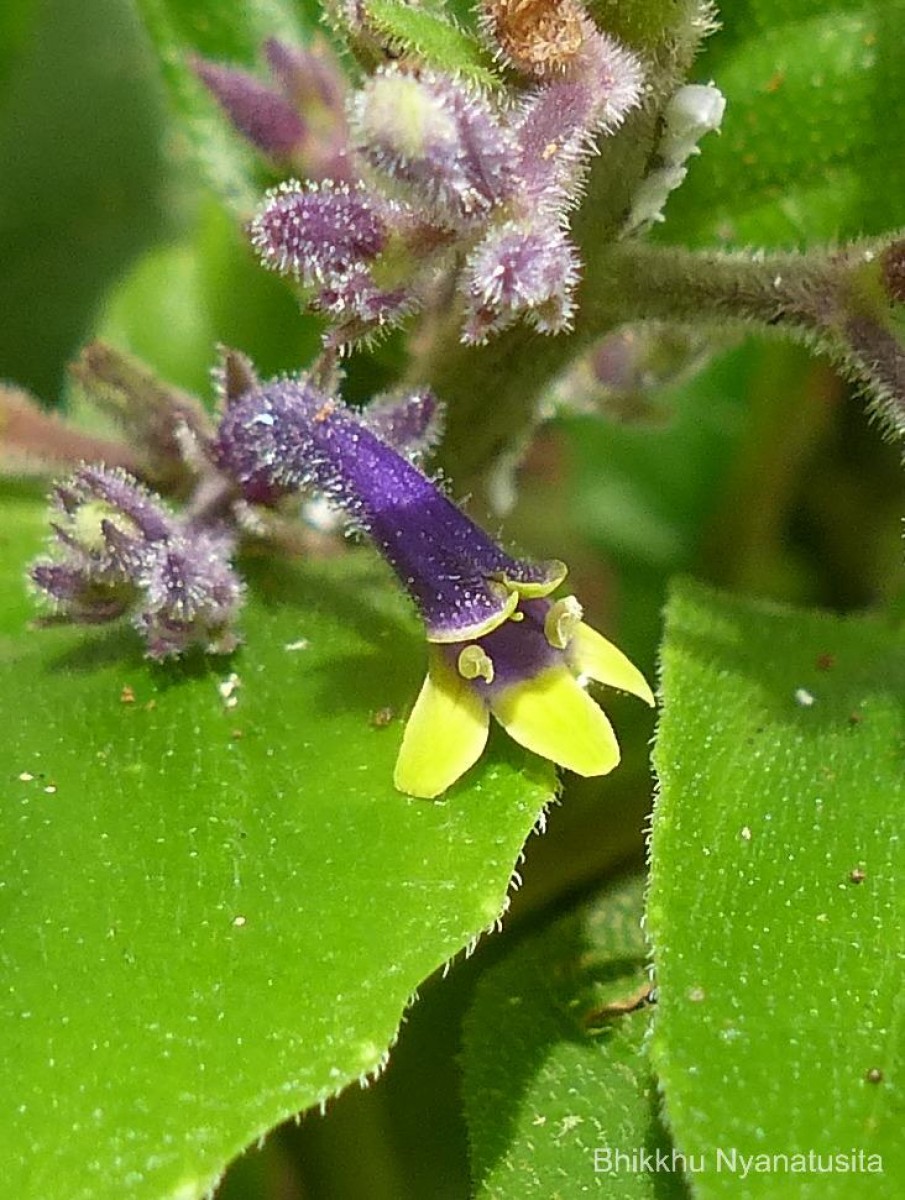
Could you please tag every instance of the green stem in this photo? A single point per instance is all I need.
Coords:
(834, 303)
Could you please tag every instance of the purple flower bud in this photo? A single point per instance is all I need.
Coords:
(616, 74)
(320, 232)
(520, 270)
(437, 141)
(313, 81)
(411, 424)
(191, 596)
(259, 113)
(359, 308)
(310, 76)
(118, 550)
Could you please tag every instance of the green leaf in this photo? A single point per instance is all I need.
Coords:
(774, 908)
(232, 33)
(551, 1077)
(807, 151)
(436, 41)
(215, 915)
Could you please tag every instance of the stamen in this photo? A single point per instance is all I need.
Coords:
(475, 663)
(562, 620)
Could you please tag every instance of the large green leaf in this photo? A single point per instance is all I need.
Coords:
(556, 1078)
(775, 909)
(214, 915)
(808, 149)
(16, 19)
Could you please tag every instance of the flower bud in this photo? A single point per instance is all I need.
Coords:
(437, 141)
(318, 232)
(257, 111)
(117, 550)
(520, 270)
(312, 80)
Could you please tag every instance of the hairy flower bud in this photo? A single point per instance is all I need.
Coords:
(318, 232)
(520, 270)
(259, 112)
(117, 550)
(437, 141)
(312, 79)
(310, 76)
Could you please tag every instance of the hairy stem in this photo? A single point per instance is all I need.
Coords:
(837, 303)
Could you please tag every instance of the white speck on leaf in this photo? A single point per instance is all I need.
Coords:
(228, 688)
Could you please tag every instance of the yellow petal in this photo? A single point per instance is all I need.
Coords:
(445, 733)
(592, 655)
(554, 716)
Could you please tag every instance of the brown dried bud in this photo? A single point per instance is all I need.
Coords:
(539, 37)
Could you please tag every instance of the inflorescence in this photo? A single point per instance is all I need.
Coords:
(417, 184)
(418, 172)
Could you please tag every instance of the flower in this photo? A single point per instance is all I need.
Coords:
(498, 643)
